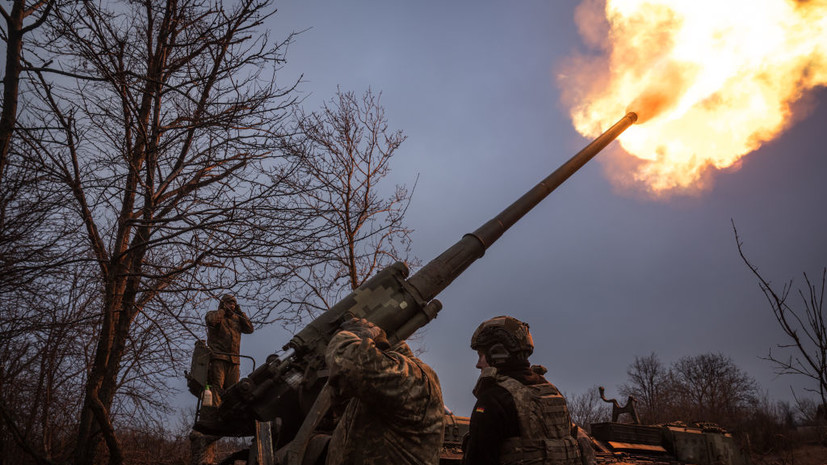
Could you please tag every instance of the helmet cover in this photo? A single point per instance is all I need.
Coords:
(502, 338)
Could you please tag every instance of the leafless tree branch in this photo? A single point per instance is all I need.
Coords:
(804, 326)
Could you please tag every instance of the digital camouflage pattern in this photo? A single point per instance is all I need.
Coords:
(503, 338)
(395, 413)
(545, 425)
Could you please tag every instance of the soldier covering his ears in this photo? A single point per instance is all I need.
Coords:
(224, 328)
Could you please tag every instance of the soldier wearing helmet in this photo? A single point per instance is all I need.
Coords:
(224, 328)
(519, 417)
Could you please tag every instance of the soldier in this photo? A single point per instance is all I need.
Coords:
(224, 328)
(394, 414)
(519, 417)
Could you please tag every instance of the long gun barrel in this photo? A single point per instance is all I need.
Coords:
(284, 387)
(441, 271)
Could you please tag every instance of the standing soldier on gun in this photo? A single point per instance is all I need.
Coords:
(224, 328)
(519, 417)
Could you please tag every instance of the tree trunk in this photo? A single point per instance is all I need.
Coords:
(95, 422)
(11, 80)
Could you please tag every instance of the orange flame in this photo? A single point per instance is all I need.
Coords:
(711, 79)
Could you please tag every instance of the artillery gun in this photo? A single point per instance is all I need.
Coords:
(283, 401)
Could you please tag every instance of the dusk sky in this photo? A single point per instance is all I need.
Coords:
(601, 273)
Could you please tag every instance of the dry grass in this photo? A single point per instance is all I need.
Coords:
(808, 454)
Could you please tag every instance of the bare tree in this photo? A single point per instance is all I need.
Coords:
(346, 148)
(698, 388)
(804, 326)
(24, 203)
(588, 408)
(710, 388)
(41, 327)
(649, 384)
(768, 425)
(42, 362)
(159, 122)
(23, 18)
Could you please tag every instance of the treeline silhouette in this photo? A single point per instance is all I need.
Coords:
(708, 388)
(705, 388)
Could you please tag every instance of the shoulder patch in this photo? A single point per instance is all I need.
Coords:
(479, 409)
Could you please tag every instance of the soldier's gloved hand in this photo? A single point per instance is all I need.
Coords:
(365, 329)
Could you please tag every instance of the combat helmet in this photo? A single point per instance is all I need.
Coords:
(503, 338)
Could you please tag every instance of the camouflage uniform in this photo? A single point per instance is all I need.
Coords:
(395, 414)
(224, 328)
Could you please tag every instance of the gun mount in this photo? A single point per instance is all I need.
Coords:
(286, 386)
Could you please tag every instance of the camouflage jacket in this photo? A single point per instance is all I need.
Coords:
(395, 413)
(224, 333)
